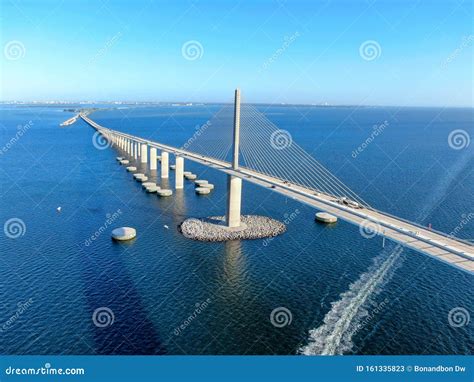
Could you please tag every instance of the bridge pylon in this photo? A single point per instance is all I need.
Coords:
(234, 184)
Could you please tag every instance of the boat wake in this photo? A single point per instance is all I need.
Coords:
(344, 319)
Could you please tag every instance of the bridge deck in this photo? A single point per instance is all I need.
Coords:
(440, 246)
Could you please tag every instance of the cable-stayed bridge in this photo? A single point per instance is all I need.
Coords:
(241, 142)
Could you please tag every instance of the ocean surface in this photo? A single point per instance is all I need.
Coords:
(67, 288)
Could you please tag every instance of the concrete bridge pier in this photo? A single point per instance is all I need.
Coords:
(234, 184)
(164, 165)
(135, 150)
(179, 170)
(144, 153)
(234, 201)
(128, 147)
(153, 158)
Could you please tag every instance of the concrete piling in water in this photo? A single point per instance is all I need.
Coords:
(135, 150)
(153, 158)
(179, 169)
(164, 165)
(144, 154)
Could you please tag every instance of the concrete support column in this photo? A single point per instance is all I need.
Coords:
(129, 151)
(153, 158)
(135, 150)
(234, 184)
(144, 153)
(234, 196)
(164, 165)
(179, 182)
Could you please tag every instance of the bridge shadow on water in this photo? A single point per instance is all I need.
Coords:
(123, 326)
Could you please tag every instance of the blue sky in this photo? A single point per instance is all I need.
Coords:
(418, 53)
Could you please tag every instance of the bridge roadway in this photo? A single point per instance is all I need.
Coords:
(451, 250)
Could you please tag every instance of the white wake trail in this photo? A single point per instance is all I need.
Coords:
(341, 322)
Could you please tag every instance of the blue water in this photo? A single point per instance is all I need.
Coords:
(155, 283)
